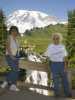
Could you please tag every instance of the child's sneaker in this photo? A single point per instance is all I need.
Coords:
(4, 85)
(14, 88)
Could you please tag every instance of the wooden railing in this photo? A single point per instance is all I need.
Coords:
(34, 65)
(44, 67)
(27, 65)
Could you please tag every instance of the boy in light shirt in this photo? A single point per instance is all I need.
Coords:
(57, 54)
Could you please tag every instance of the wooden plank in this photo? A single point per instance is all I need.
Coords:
(34, 65)
(31, 85)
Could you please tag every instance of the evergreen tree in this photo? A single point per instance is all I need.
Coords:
(71, 34)
(3, 33)
(28, 33)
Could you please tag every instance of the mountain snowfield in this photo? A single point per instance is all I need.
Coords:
(26, 20)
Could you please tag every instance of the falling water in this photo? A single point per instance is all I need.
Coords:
(39, 78)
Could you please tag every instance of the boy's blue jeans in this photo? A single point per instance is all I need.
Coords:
(12, 76)
(57, 69)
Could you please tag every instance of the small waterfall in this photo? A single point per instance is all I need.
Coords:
(38, 77)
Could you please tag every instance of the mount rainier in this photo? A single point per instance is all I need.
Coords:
(26, 20)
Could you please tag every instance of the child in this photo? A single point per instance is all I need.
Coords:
(57, 55)
(12, 59)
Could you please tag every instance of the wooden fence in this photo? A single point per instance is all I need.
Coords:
(39, 67)
(45, 68)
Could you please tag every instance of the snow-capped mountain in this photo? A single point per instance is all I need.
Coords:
(26, 20)
(63, 22)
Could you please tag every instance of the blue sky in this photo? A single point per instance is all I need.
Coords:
(56, 8)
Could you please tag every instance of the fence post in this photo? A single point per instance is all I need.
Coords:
(69, 74)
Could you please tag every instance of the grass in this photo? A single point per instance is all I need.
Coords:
(40, 38)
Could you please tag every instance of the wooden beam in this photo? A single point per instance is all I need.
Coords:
(30, 85)
(34, 65)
